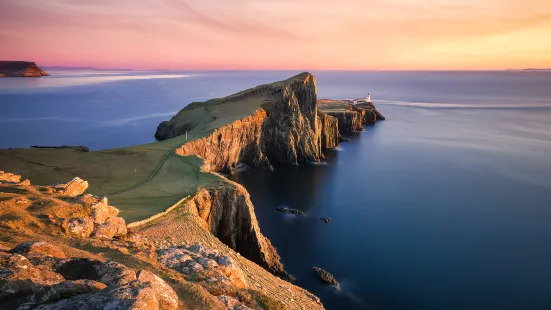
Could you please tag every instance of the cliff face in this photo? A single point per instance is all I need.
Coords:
(348, 121)
(236, 142)
(284, 130)
(291, 134)
(370, 107)
(330, 135)
(229, 215)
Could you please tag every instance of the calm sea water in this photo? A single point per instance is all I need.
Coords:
(446, 205)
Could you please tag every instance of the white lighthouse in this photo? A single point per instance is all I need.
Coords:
(368, 97)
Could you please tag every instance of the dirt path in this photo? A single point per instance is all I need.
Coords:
(151, 176)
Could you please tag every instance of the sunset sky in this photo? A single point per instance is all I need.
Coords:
(278, 34)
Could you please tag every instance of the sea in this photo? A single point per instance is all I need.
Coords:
(446, 205)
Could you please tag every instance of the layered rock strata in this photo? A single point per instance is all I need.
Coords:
(348, 121)
(228, 213)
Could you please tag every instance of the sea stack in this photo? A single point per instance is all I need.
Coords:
(20, 69)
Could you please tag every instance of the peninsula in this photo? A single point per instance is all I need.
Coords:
(181, 234)
(20, 69)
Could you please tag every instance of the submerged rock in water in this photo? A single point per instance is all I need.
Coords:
(325, 219)
(289, 210)
(326, 277)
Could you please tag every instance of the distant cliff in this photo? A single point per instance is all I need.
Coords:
(20, 69)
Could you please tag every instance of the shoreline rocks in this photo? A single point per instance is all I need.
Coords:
(289, 210)
(326, 277)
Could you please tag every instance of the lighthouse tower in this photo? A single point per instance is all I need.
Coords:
(368, 97)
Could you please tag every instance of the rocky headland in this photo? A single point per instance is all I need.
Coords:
(187, 223)
(20, 69)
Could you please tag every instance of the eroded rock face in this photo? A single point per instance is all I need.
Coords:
(290, 133)
(348, 121)
(73, 188)
(77, 283)
(203, 264)
(330, 135)
(284, 130)
(369, 106)
(228, 214)
(226, 147)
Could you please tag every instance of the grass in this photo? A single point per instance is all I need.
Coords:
(141, 180)
(325, 105)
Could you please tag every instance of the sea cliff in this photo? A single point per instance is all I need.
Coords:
(20, 69)
(172, 191)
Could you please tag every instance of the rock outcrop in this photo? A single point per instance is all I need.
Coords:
(369, 106)
(237, 142)
(326, 277)
(348, 121)
(218, 273)
(75, 187)
(290, 133)
(10, 178)
(228, 213)
(45, 279)
(20, 69)
(330, 135)
(45, 266)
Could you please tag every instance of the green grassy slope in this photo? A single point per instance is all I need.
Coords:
(141, 180)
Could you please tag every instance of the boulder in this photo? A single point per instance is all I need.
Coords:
(33, 249)
(113, 227)
(73, 188)
(6, 177)
(326, 277)
(80, 227)
(101, 211)
(166, 296)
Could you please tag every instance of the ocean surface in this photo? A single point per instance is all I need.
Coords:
(445, 205)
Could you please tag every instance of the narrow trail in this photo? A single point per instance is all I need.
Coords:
(144, 181)
(157, 169)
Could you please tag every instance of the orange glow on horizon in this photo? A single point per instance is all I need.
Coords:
(279, 34)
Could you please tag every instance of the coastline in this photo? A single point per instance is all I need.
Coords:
(219, 146)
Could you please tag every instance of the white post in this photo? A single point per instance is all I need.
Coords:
(186, 135)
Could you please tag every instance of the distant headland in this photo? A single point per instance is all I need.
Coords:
(20, 69)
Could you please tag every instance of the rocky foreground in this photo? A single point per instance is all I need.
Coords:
(63, 249)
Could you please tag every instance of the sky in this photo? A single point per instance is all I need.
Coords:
(279, 34)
